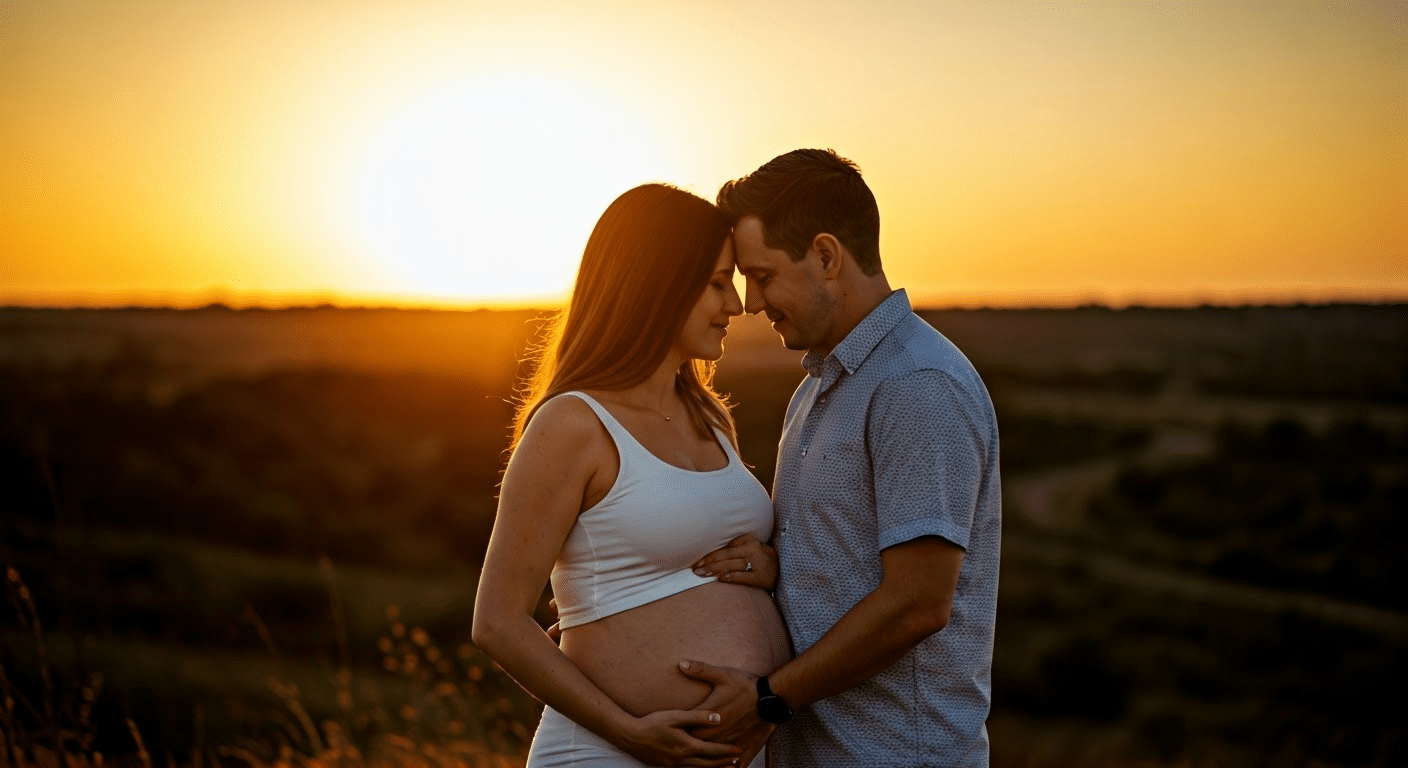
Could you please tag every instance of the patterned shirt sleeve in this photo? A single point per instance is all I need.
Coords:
(928, 447)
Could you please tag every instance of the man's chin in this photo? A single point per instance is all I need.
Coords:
(794, 344)
(789, 336)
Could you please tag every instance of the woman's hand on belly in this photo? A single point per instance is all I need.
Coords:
(744, 561)
(663, 738)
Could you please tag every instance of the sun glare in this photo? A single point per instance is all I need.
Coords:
(486, 190)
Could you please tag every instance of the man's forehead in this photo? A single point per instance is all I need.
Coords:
(750, 260)
(751, 251)
(749, 229)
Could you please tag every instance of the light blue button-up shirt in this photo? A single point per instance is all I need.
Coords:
(890, 437)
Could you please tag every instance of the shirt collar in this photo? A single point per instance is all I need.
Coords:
(863, 338)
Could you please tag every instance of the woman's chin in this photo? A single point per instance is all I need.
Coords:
(711, 355)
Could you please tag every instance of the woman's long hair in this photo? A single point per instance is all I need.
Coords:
(645, 266)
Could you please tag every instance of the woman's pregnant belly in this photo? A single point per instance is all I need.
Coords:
(633, 656)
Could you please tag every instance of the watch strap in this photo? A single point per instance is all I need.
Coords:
(764, 689)
(771, 707)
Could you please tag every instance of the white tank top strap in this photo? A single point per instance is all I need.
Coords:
(734, 460)
(626, 444)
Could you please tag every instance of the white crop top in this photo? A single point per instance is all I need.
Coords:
(637, 544)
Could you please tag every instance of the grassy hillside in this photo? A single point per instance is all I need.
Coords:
(206, 507)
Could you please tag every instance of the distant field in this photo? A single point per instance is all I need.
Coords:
(1202, 511)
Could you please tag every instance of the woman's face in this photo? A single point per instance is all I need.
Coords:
(702, 337)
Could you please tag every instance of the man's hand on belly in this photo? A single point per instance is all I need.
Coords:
(735, 698)
(751, 743)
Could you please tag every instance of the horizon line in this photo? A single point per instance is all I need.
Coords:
(922, 298)
(217, 306)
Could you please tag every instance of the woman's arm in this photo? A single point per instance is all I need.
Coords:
(564, 459)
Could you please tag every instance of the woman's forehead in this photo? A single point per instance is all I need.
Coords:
(726, 261)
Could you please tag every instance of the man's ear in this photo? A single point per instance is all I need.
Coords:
(829, 249)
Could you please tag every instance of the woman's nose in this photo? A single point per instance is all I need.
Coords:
(755, 303)
(732, 304)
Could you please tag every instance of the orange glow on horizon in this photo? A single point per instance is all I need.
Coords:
(922, 298)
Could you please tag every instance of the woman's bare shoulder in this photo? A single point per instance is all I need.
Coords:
(567, 422)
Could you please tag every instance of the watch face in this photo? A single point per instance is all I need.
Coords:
(774, 710)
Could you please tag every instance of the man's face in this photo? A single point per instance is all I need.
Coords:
(793, 294)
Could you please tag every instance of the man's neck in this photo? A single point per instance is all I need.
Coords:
(856, 304)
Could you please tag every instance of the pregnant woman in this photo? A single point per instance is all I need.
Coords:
(624, 474)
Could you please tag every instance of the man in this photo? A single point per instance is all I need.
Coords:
(886, 494)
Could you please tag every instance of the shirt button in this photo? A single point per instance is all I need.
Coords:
(804, 451)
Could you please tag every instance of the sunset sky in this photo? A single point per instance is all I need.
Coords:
(458, 153)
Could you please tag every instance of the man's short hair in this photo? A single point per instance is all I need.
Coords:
(803, 193)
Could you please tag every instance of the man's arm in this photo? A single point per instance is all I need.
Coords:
(911, 603)
(928, 454)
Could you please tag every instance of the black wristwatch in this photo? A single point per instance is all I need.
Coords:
(771, 707)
